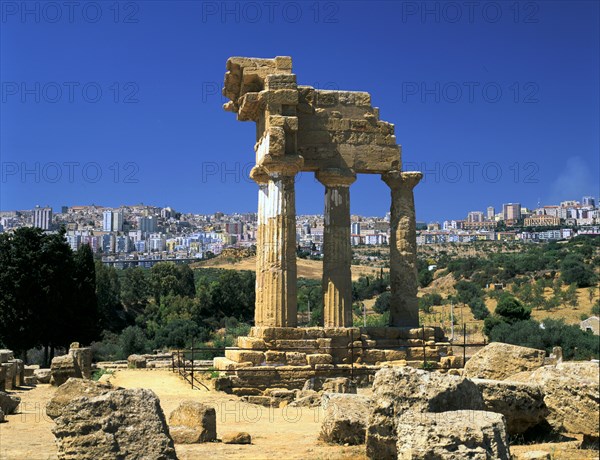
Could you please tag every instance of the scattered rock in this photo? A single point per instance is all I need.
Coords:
(124, 423)
(30, 380)
(77, 363)
(571, 393)
(72, 389)
(136, 362)
(397, 390)
(9, 403)
(339, 385)
(522, 404)
(534, 455)
(240, 437)
(42, 375)
(452, 435)
(344, 421)
(498, 361)
(193, 422)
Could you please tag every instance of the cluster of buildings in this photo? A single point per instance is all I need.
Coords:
(147, 234)
(515, 222)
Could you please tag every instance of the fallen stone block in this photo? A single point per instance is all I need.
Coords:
(193, 422)
(338, 385)
(399, 389)
(124, 423)
(9, 403)
(240, 437)
(72, 389)
(452, 435)
(522, 404)
(499, 361)
(136, 362)
(344, 421)
(42, 375)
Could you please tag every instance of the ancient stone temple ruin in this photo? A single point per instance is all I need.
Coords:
(336, 135)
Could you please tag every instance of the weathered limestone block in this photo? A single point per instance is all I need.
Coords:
(251, 343)
(19, 372)
(9, 403)
(397, 390)
(9, 375)
(62, 368)
(6, 356)
(344, 421)
(136, 362)
(125, 423)
(395, 355)
(571, 394)
(72, 389)
(338, 385)
(2, 377)
(269, 334)
(30, 380)
(275, 356)
(318, 358)
(29, 370)
(42, 375)
(372, 356)
(451, 362)
(193, 422)
(303, 345)
(453, 435)
(244, 356)
(83, 361)
(240, 437)
(522, 404)
(499, 361)
(295, 358)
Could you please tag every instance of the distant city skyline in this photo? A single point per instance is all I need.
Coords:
(492, 109)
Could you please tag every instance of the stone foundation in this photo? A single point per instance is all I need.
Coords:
(287, 357)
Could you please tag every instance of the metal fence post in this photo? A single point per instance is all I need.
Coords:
(464, 344)
(192, 373)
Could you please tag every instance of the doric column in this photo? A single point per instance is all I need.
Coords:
(404, 309)
(337, 251)
(276, 302)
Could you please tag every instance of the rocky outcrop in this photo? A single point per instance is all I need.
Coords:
(192, 422)
(497, 361)
(9, 403)
(72, 389)
(522, 404)
(398, 390)
(344, 421)
(571, 393)
(452, 435)
(124, 423)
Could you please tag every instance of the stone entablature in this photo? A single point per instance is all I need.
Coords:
(335, 134)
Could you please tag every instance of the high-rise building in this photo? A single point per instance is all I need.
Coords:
(589, 201)
(147, 224)
(511, 211)
(475, 216)
(112, 221)
(491, 213)
(42, 218)
(355, 228)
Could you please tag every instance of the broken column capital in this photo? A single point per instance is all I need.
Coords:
(283, 165)
(336, 177)
(402, 179)
(259, 175)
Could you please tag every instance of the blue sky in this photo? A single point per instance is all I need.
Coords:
(119, 103)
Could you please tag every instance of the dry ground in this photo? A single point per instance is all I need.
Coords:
(276, 433)
(312, 269)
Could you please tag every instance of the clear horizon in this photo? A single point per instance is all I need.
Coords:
(495, 103)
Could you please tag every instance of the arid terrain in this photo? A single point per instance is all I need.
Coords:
(276, 433)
